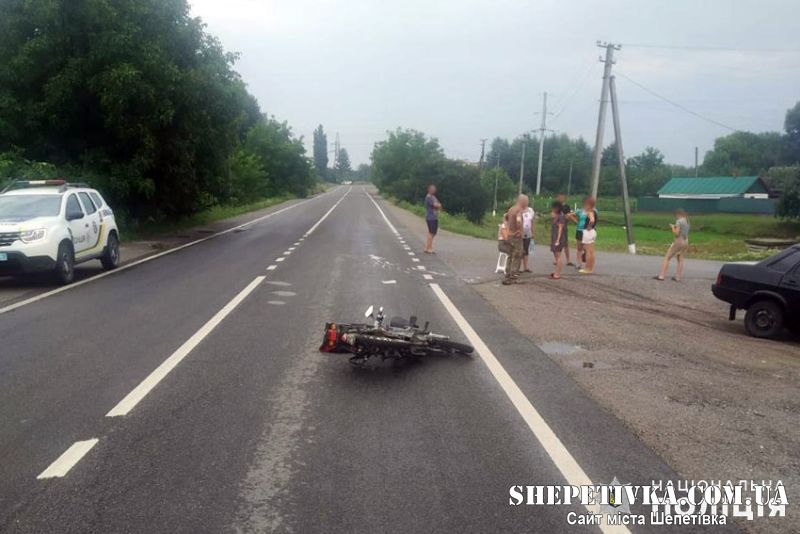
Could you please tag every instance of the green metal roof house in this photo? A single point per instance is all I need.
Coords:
(715, 187)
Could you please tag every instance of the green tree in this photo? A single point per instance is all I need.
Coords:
(744, 154)
(792, 127)
(321, 152)
(343, 168)
(135, 96)
(506, 188)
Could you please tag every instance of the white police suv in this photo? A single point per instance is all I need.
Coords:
(51, 225)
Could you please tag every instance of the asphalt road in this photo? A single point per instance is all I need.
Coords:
(227, 419)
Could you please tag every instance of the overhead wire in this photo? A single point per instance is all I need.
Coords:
(676, 104)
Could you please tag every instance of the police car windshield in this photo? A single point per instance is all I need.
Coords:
(29, 206)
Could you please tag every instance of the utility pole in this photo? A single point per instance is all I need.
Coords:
(569, 180)
(601, 117)
(696, 157)
(542, 129)
(522, 163)
(483, 148)
(621, 157)
(496, 174)
(336, 152)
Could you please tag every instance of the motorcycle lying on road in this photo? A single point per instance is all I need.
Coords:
(401, 339)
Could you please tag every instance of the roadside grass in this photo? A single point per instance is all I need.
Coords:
(718, 236)
(150, 229)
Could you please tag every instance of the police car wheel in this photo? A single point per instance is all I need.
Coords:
(110, 258)
(65, 264)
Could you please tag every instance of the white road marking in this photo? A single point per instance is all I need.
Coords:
(272, 267)
(127, 266)
(68, 459)
(387, 282)
(427, 277)
(412, 254)
(421, 267)
(316, 225)
(280, 259)
(415, 259)
(385, 218)
(291, 248)
(297, 244)
(139, 392)
(406, 248)
(564, 461)
(287, 253)
(276, 302)
(278, 283)
(284, 293)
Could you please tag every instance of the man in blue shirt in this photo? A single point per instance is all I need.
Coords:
(432, 207)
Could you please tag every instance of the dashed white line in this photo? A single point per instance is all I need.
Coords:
(68, 459)
(385, 218)
(290, 249)
(272, 267)
(287, 253)
(127, 266)
(388, 282)
(139, 392)
(564, 461)
(421, 267)
(412, 254)
(280, 259)
(427, 277)
(415, 259)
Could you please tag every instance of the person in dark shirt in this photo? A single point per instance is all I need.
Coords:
(432, 208)
(558, 236)
(565, 211)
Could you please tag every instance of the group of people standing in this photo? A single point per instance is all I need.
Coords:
(517, 235)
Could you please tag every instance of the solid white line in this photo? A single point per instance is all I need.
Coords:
(385, 218)
(573, 473)
(272, 267)
(68, 459)
(127, 266)
(311, 230)
(152, 380)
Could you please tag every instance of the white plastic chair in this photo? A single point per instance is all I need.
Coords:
(502, 262)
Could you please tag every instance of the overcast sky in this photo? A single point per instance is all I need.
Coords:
(461, 70)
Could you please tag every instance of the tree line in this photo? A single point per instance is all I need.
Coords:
(407, 160)
(138, 99)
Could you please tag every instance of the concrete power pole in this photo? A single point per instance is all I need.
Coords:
(621, 159)
(601, 117)
(696, 158)
(522, 163)
(542, 129)
(497, 166)
(336, 151)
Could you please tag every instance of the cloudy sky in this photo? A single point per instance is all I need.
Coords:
(461, 70)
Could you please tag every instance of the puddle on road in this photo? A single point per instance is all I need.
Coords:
(555, 348)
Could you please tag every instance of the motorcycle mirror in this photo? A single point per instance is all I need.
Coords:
(368, 313)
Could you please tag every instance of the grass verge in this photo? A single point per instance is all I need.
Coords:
(718, 236)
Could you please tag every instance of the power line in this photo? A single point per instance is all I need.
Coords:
(677, 105)
(710, 48)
